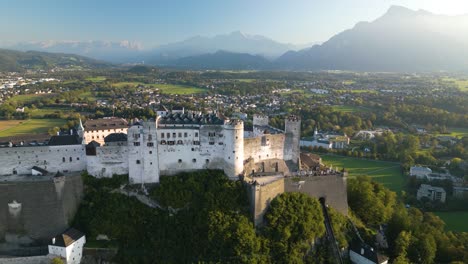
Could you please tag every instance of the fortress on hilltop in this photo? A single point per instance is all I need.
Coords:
(175, 142)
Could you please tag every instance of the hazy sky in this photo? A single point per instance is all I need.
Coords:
(154, 22)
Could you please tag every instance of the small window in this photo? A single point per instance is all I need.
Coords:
(180, 142)
(163, 142)
(180, 161)
(71, 159)
(138, 162)
(151, 152)
(193, 149)
(194, 160)
(196, 134)
(63, 159)
(207, 161)
(168, 135)
(136, 144)
(185, 134)
(220, 143)
(174, 135)
(180, 134)
(211, 143)
(150, 144)
(162, 135)
(77, 158)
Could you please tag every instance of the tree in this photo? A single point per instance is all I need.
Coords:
(232, 238)
(371, 202)
(293, 221)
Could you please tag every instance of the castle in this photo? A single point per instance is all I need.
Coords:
(174, 142)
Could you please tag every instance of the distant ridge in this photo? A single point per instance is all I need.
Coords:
(400, 40)
(11, 60)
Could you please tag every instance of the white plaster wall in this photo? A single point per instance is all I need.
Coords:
(75, 251)
(99, 135)
(58, 251)
(109, 160)
(143, 165)
(234, 149)
(51, 158)
(264, 147)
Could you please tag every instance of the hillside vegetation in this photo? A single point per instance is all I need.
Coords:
(11, 60)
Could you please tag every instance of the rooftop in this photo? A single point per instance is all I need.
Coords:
(66, 238)
(105, 123)
(191, 119)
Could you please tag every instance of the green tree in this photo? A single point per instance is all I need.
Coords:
(293, 221)
(232, 238)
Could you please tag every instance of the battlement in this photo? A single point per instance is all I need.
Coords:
(260, 120)
(293, 118)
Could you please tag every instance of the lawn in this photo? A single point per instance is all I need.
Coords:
(455, 221)
(27, 98)
(350, 108)
(178, 89)
(357, 91)
(461, 84)
(387, 173)
(165, 88)
(455, 132)
(96, 79)
(32, 126)
(40, 112)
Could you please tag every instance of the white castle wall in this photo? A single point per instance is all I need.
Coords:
(52, 158)
(109, 160)
(167, 149)
(264, 147)
(99, 135)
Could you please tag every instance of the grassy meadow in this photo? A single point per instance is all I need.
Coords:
(455, 221)
(165, 88)
(350, 108)
(10, 128)
(387, 173)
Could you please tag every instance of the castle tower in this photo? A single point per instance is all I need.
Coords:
(260, 120)
(143, 158)
(234, 148)
(292, 129)
(80, 132)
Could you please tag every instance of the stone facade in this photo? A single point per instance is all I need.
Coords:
(174, 142)
(36, 210)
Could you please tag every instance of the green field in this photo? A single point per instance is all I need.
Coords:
(461, 84)
(357, 91)
(350, 108)
(10, 128)
(455, 132)
(28, 98)
(96, 79)
(165, 88)
(455, 221)
(40, 112)
(387, 173)
(178, 89)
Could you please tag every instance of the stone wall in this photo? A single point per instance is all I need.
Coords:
(264, 147)
(332, 187)
(261, 195)
(47, 207)
(51, 158)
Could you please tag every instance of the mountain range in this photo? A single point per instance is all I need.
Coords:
(12, 60)
(400, 40)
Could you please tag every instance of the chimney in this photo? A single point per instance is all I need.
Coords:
(71, 131)
(53, 241)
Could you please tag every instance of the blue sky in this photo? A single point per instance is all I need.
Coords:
(155, 22)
